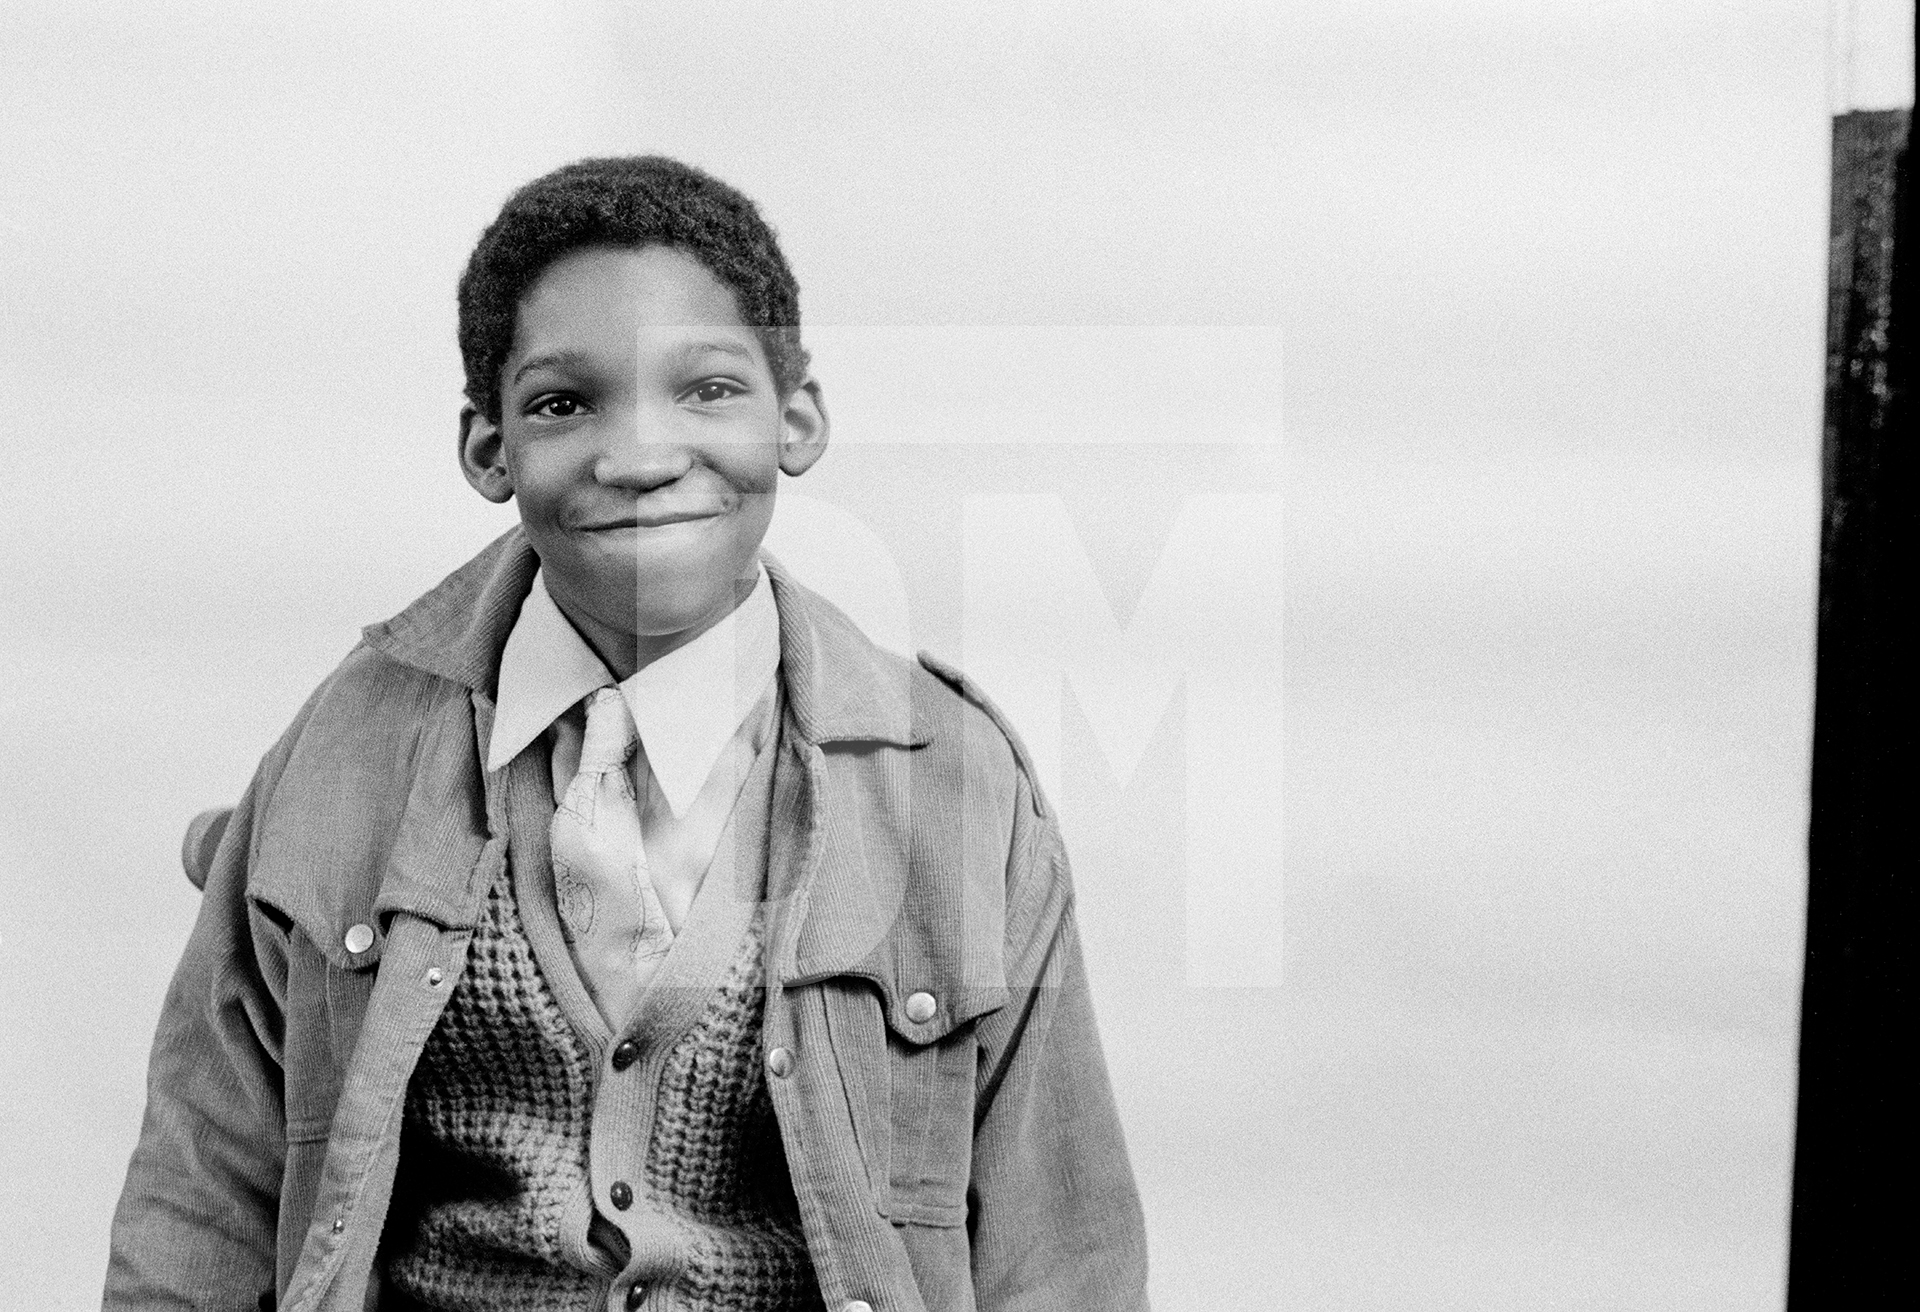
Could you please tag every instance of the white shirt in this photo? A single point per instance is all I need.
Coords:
(704, 712)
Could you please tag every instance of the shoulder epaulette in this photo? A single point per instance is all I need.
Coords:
(970, 691)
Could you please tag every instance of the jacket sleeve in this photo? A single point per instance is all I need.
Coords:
(1056, 1219)
(197, 1218)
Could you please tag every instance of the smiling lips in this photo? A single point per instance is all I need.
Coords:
(648, 514)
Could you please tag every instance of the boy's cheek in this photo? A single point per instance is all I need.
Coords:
(543, 509)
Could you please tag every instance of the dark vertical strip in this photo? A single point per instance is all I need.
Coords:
(1853, 1179)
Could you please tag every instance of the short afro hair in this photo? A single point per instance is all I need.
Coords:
(630, 201)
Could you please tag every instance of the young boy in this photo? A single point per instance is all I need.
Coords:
(617, 927)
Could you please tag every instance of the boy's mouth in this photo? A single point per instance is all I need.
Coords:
(656, 516)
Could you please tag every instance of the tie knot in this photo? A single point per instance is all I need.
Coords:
(610, 734)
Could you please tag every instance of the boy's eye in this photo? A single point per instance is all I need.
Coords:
(711, 390)
(556, 407)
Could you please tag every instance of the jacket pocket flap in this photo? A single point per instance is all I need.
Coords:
(925, 1011)
(919, 1010)
(344, 901)
(348, 940)
(342, 877)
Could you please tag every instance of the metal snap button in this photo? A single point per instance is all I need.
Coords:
(780, 1062)
(359, 939)
(921, 1008)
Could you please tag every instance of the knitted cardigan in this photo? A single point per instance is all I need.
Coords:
(495, 1152)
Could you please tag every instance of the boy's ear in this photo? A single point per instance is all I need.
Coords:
(803, 425)
(483, 456)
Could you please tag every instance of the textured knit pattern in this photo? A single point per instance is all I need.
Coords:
(494, 1153)
(715, 1157)
(495, 1160)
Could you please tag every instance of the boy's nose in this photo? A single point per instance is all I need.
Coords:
(641, 456)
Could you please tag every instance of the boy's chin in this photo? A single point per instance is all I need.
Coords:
(666, 617)
(666, 595)
(663, 607)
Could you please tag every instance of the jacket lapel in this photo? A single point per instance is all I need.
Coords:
(458, 629)
(870, 865)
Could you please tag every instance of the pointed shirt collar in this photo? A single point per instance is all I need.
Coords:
(839, 686)
(687, 705)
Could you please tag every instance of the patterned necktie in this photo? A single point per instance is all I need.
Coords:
(608, 908)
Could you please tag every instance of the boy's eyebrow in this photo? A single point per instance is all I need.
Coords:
(721, 345)
(578, 360)
(550, 360)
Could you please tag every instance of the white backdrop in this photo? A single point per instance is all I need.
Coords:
(1511, 312)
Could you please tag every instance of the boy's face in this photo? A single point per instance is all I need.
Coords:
(642, 434)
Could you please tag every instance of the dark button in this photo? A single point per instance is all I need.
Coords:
(625, 1054)
(622, 1194)
(636, 1296)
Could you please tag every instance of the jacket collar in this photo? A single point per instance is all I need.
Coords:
(839, 686)
(458, 629)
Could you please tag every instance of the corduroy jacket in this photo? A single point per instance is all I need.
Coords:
(970, 1158)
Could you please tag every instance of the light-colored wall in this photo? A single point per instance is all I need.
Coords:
(1542, 287)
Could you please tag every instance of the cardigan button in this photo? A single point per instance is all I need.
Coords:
(359, 939)
(625, 1054)
(858, 1305)
(780, 1062)
(620, 1193)
(920, 1008)
(636, 1295)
